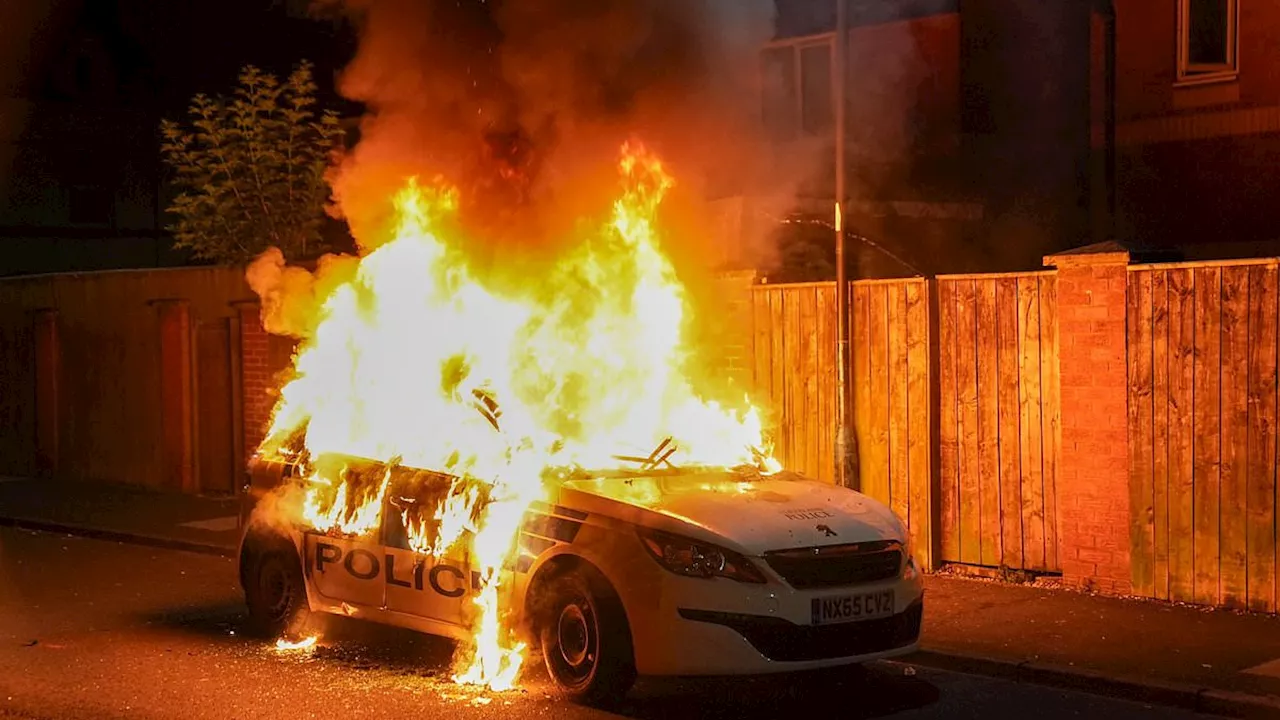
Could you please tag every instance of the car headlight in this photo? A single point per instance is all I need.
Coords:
(694, 558)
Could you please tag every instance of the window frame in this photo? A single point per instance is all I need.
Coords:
(797, 46)
(1189, 74)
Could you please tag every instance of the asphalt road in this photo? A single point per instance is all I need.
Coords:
(94, 629)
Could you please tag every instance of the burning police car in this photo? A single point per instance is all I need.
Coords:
(650, 571)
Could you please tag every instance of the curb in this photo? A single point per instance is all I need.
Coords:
(117, 536)
(1155, 692)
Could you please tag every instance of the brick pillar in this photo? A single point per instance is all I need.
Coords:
(48, 357)
(1093, 469)
(733, 327)
(255, 377)
(177, 401)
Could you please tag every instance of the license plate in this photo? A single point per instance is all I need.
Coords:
(852, 608)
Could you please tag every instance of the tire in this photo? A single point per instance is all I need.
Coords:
(276, 594)
(586, 643)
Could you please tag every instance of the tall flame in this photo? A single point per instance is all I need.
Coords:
(413, 362)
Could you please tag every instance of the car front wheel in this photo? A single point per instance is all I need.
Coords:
(585, 639)
(276, 595)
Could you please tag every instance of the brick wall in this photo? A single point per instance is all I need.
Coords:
(257, 376)
(1092, 485)
(731, 329)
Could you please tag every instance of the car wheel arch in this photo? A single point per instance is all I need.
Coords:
(259, 541)
(557, 566)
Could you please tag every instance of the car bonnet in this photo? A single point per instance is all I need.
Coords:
(751, 514)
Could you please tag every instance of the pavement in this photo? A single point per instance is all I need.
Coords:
(120, 512)
(1204, 660)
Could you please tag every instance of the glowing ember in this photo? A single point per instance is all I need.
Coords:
(413, 363)
(283, 645)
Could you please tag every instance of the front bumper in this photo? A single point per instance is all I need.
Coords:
(780, 640)
(721, 627)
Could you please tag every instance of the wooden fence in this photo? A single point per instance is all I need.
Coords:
(1202, 432)
(998, 420)
(794, 328)
(794, 340)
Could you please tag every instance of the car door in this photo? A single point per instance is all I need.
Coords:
(346, 570)
(349, 570)
(416, 582)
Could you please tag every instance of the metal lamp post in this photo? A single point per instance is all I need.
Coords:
(846, 473)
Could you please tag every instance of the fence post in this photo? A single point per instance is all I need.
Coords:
(177, 396)
(1093, 468)
(48, 357)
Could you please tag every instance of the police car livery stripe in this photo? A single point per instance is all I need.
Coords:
(569, 512)
(550, 526)
(534, 545)
(531, 547)
(549, 509)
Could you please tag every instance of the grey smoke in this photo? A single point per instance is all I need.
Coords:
(524, 106)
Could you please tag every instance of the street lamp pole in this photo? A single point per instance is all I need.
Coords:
(845, 442)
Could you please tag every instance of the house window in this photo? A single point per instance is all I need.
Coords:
(797, 89)
(1207, 40)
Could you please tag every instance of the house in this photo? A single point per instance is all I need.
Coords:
(976, 132)
(83, 86)
(1198, 126)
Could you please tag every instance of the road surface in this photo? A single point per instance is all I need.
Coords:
(102, 630)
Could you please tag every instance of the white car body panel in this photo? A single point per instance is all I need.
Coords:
(679, 625)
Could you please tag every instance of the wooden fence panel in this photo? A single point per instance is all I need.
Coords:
(1202, 436)
(890, 335)
(920, 482)
(1181, 437)
(1161, 454)
(1206, 399)
(793, 376)
(1010, 421)
(1260, 478)
(1141, 411)
(1036, 540)
(999, 420)
(948, 425)
(970, 527)
(794, 373)
(1234, 398)
(1051, 417)
(874, 382)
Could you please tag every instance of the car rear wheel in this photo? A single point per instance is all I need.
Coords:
(276, 595)
(586, 643)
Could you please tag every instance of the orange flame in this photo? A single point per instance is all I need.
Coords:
(283, 645)
(413, 361)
